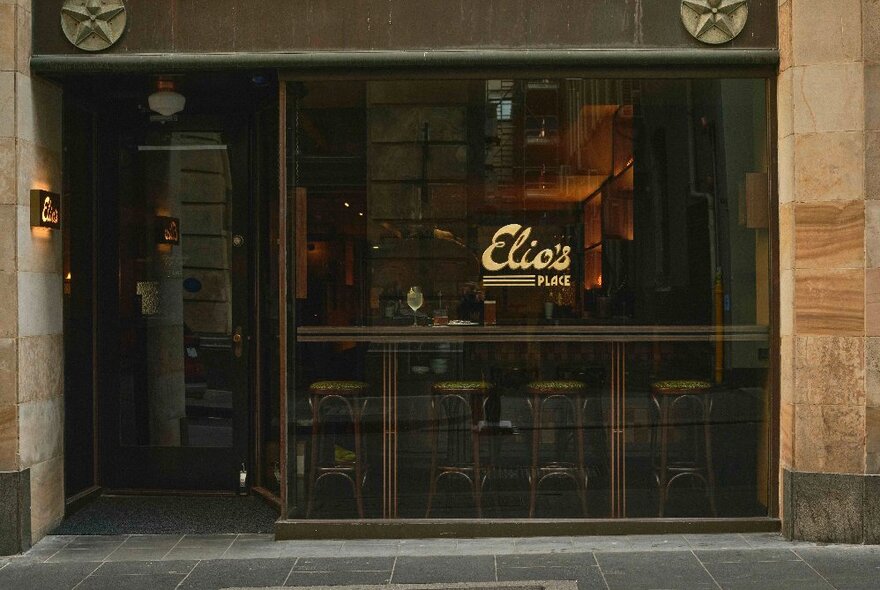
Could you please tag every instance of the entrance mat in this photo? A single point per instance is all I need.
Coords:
(531, 585)
(144, 515)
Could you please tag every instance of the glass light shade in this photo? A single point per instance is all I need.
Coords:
(166, 102)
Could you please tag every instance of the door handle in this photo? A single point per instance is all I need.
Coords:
(237, 341)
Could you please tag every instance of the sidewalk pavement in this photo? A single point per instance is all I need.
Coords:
(691, 562)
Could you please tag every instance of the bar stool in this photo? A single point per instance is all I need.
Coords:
(572, 392)
(351, 395)
(594, 379)
(667, 395)
(470, 396)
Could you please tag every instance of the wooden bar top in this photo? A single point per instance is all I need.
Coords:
(534, 333)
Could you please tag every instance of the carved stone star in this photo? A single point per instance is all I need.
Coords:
(714, 21)
(93, 25)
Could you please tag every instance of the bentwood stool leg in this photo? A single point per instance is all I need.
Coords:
(536, 434)
(581, 469)
(710, 471)
(351, 394)
(435, 442)
(572, 393)
(470, 396)
(664, 444)
(356, 413)
(666, 395)
(476, 413)
(315, 403)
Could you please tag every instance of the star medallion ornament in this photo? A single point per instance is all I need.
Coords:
(93, 25)
(714, 21)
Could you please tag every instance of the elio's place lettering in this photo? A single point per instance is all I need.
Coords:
(514, 249)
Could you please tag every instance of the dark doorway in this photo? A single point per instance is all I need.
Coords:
(166, 357)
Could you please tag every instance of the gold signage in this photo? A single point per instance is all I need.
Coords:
(168, 230)
(45, 209)
(513, 249)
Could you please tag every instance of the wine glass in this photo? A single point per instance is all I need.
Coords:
(415, 299)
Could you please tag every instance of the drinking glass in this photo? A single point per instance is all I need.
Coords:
(415, 299)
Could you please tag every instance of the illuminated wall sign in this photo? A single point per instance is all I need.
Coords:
(45, 209)
(168, 230)
(517, 260)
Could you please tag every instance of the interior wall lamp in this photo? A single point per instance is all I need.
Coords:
(166, 100)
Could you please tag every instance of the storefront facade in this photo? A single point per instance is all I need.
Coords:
(502, 269)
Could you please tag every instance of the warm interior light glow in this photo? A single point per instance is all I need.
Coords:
(166, 101)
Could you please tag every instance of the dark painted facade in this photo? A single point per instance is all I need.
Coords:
(206, 26)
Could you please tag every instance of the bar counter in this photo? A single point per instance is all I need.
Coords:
(392, 341)
(533, 333)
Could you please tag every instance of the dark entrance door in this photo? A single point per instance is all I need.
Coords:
(175, 404)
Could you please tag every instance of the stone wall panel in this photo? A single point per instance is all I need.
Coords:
(47, 496)
(830, 439)
(829, 370)
(41, 431)
(829, 97)
(829, 166)
(40, 304)
(829, 302)
(41, 367)
(830, 235)
(826, 32)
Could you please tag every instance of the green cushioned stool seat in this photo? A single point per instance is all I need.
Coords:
(330, 387)
(556, 387)
(677, 386)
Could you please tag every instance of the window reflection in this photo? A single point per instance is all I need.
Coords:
(599, 237)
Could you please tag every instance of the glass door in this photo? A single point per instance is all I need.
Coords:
(179, 414)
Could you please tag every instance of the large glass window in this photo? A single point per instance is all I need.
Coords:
(530, 298)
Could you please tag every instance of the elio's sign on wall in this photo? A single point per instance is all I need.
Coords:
(45, 209)
(516, 259)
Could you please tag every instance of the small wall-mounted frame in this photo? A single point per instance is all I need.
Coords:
(168, 230)
(45, 209)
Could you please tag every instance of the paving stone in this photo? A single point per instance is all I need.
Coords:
(428, 547)
(546, 560)
(201, 547)
(654, 569)
(587, 577)
(144, 547)
(132, 582)
(223, 573)
(428, 570)
(47, 547)
(258, 546)
(656, 542)
(348, 564)
(721, 541)
(88, 548)
(544, 545)
(144, 568)
(745, 555)
(845, 567)
(337, 578)
(23, 575)
(767, 576)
